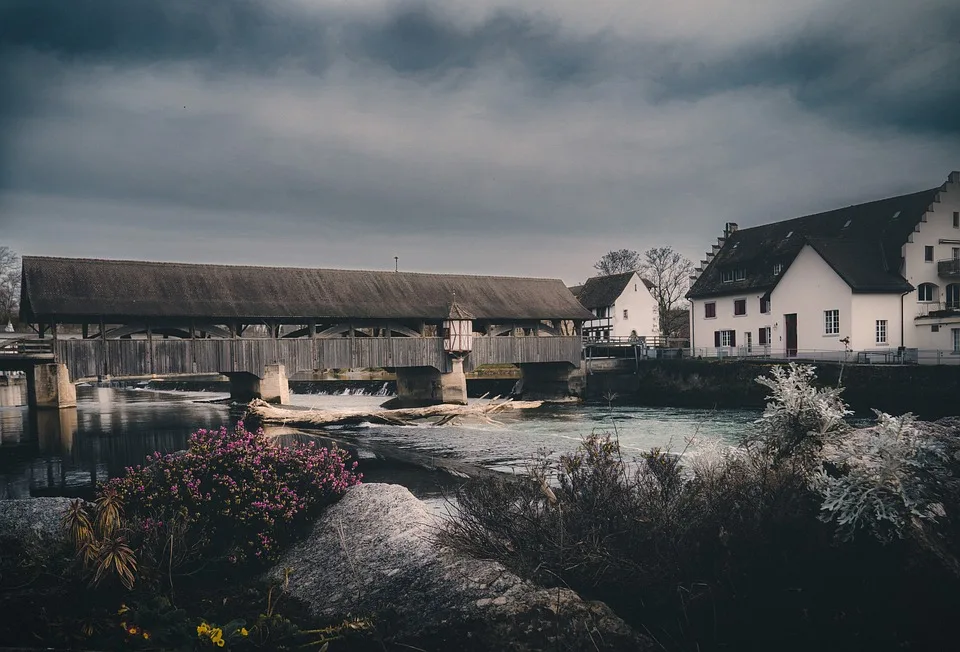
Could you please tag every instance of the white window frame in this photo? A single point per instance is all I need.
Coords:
(769, 336)
(777, 269)
(951, 302)
(725, 339)
(881, 332)
(831, 322)
(930, 296)
(748, 340)
(933, 254)
(955, 332)
(731, 275)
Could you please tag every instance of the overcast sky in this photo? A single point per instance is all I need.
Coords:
(464, 135)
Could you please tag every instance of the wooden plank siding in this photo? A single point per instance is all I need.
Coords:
(138, 357)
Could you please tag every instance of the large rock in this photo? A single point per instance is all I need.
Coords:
(373, 554)
(37, 519)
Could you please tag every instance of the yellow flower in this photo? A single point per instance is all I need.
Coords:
(219, 642)
(146, 636)
(203, 628)
(244, 632)
(217, 636)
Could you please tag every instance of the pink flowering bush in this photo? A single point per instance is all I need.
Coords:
(233, 494)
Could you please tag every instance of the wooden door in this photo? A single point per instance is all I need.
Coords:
(790, 324)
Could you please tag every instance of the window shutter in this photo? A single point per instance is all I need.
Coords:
(762, 336)
(716, 339)
(733, 338)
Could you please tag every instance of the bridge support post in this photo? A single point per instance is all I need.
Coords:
(49, 386)
(551, 380)
(274, 387)
(244, 386)
(421, 386)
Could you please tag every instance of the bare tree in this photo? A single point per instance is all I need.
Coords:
(617, 262)
(668, 272)
(9, 285)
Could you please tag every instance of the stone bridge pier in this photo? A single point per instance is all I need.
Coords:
(49, 386)
(551, 380)
(272, 386)
(421, 386)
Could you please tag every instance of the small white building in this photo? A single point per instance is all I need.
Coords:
(622, 305)
(875, 281)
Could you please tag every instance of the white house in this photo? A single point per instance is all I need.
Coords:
(622, 304)
(874, 280)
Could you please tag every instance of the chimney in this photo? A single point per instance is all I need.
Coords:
(729, 229)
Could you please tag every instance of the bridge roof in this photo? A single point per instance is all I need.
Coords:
(65, 289)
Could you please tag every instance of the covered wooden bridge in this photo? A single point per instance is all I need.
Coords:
(258, 324)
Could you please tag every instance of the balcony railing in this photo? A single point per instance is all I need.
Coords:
(934, 309)
(949, 268)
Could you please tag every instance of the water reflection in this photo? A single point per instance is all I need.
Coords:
(67, 452)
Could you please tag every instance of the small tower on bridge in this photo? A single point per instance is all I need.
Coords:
(458, 330)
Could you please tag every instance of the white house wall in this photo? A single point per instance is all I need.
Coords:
(703, 328)
(938, 226)
(641, 311)
(808, 288)
(866, 310)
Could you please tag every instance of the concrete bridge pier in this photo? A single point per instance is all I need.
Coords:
(273, 387)
(551, 380)
(49, 386)
(420, 386)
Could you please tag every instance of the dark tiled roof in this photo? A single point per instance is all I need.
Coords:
(860, 263)
(76, 287)
(602, 291)
(863, 243)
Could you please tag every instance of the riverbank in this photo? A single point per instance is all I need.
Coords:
(928, 391)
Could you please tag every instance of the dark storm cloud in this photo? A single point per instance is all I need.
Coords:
(829, 66)
(828, 72)
(580, 128)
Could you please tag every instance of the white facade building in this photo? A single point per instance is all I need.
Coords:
(876, 281)
(622, 305)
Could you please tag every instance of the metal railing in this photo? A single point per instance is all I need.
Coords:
(649, 341)
(948, 267)
(893, 355)
(934, 309)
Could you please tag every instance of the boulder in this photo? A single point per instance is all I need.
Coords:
(374, 554)
(37, 519)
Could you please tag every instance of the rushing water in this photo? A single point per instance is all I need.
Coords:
(66, 452)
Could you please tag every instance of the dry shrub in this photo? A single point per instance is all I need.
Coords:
(732, 551)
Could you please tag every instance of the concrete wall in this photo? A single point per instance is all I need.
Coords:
(928, 391)
(49, 386)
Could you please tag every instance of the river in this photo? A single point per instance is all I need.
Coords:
(65, 453)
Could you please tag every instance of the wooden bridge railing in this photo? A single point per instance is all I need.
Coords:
(25, 348)
(140, 357)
